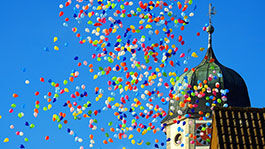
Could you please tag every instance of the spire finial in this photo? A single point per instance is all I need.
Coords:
(210, 28)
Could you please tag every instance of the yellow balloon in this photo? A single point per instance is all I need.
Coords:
(0, 116)
(55, 39)
(89, 14)
(56, 48)
(6, 140)
(194, 54)
(66, 90)
(126, 88)
(98, 29)
(133, 141)
(97, 99)
(144, 132)
(100, 95)
(130, 136)
(49, 106)
(116, 104)
(74, 114)
(201, 49)
(132, 27)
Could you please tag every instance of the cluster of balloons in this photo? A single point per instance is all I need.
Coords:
(137, 48)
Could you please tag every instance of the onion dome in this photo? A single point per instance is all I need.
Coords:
(209, 84)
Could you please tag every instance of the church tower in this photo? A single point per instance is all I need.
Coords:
(188, 123)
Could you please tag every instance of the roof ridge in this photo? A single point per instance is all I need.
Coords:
(238, 109)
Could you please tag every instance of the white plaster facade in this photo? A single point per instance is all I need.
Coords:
(172, 131)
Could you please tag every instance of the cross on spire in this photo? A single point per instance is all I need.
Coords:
(211, 12)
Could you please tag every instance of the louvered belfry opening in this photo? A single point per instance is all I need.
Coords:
(240, 128)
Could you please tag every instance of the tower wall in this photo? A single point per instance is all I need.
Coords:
(172, 131)
(175, 129)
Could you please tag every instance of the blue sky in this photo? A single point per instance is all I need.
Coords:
(27, 27)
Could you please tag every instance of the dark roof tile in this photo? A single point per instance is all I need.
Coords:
(239, 127)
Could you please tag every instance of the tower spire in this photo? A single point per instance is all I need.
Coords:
(210, 28)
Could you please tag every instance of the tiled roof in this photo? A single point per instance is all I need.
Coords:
(238, 128)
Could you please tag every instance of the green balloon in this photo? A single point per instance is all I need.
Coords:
(122, 6)
(31, 125)
(56, 95)
(95, 121)
(114, 78)
(112, 98)
(89, 112)
(26, 139)
(147, 143)
(60, 126)
(110, 123)
(45, 108)
(65, 82)
(37, 106)
(89, 22)
(98, 59)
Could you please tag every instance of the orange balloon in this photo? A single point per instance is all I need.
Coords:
(138, 129)
(110, 140)
(123, 64)
(154, 131)
(105, 142)
(15, 95)
(157, 32)
(116, 114)
(71, 79)
(91, 137)
(91, 70)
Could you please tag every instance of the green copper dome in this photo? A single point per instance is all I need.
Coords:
(208, 69)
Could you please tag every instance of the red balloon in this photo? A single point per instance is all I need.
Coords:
(180, 38)
(61, 13)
